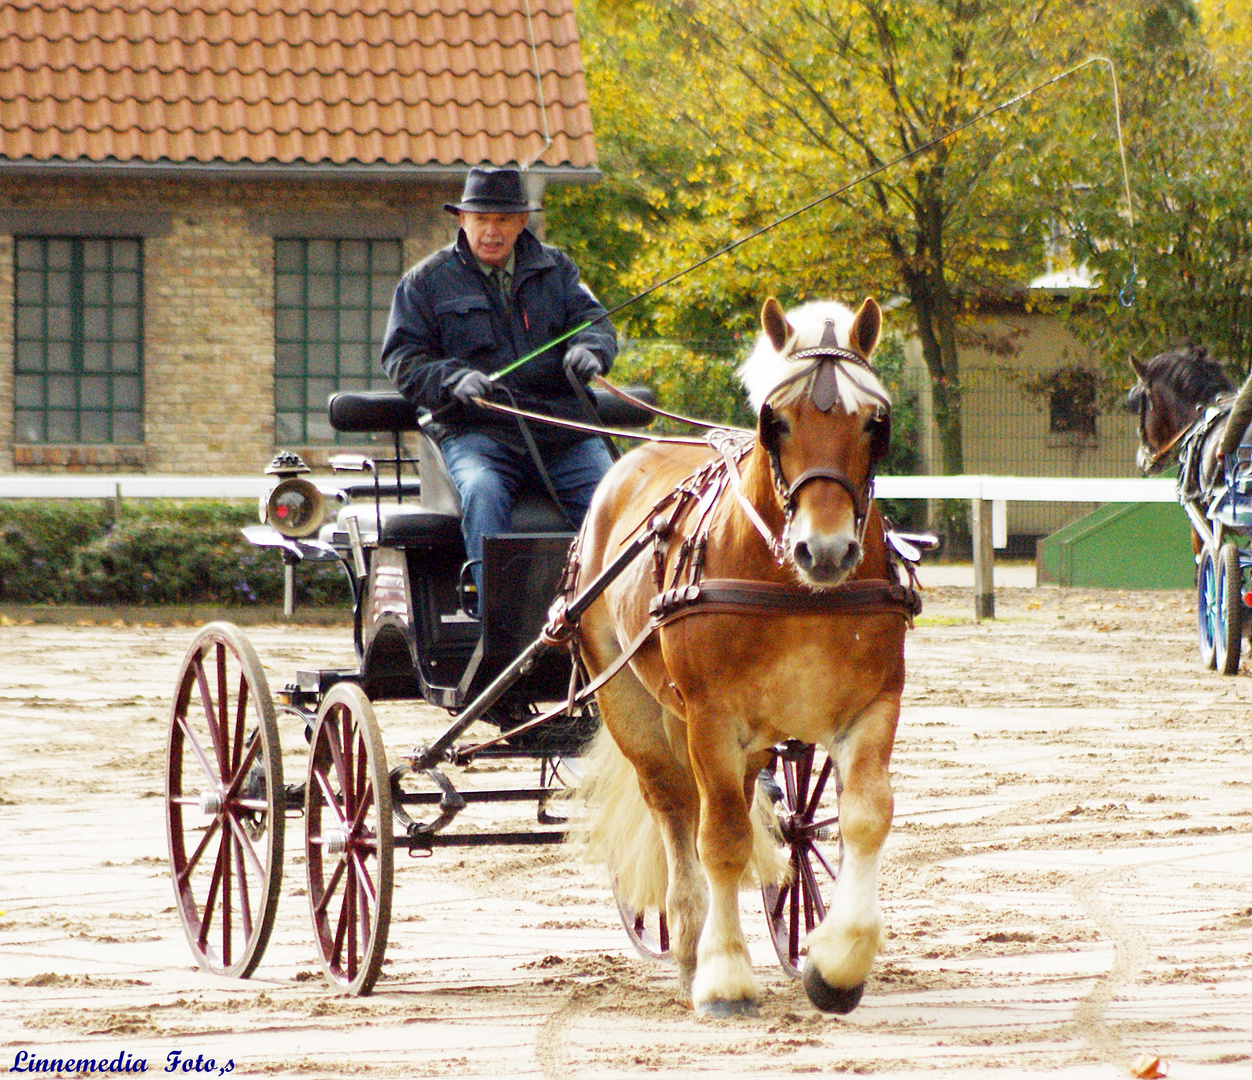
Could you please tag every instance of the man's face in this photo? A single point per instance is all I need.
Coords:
(492, 236)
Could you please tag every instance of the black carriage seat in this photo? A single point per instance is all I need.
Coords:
(435, 519)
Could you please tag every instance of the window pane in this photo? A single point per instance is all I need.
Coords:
(288, 290)
(60, 289)
(29, 287)
(28, 390)
(289, 427)
(353, 292)
(63, 391)
(96, 324)
(126, 356)
(62, 427)
(93, 392)
(30, 254)
(127, 427)
(321, 257)
(288, 394)
(126, 324)
(386, 257)
(321, 290)
(319, 429)
(29, 356)
(96, 356)
(60, 323)
(288, 255)
(322, 323)
(29, 323)
(354, 256)
(288, 359)
(383, 288)
(94, 427)
(126, 289)
(319, 391)
(60, 357)
(126, 393)
(125, 254)
(321, 359)
(96, 254)
(288, 324)
(28, 427)
(95, 288)
(352, 326)
(59, 254)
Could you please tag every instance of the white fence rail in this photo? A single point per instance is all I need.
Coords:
(988, 496)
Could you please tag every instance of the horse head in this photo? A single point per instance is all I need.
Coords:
(1168, 391)
(824, 423)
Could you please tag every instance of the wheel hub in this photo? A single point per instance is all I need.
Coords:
(211, 803)
(334, 841)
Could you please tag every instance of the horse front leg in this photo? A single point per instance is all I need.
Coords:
(725, 984)
(842, 949)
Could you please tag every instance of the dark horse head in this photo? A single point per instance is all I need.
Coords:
(1171, 388)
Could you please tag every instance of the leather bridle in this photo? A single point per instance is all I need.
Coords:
(823, 394)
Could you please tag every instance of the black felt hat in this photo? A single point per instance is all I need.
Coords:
(493, 191)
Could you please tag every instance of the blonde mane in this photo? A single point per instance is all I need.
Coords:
(766, 368)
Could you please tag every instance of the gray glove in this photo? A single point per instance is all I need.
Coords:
(471, 384)
(583, 362)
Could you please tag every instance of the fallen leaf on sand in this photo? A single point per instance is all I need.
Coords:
(1147, 1066)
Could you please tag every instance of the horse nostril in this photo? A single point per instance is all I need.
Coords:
(851, 555)
(802, 555)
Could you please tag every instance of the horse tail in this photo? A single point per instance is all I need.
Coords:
(618, 833)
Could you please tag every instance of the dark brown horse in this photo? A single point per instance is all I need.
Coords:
(694, 714)
(1171, 390)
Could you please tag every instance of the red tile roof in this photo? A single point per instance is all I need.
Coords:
(375, 83)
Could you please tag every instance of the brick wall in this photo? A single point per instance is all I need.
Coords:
(208, 304)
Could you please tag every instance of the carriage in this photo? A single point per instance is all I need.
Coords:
(421, 634)
(1188, 409)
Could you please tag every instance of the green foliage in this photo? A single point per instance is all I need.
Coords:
(148, 553)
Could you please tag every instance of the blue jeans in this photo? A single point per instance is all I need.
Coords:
(489, 476)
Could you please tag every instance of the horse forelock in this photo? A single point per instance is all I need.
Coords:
(1189, 372)
(766, 369)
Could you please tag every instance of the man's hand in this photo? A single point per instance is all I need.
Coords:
(472, 384)
(583, 362)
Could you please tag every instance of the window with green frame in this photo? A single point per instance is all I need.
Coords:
(331, 301)
(78, 340)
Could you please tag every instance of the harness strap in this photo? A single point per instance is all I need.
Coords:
(729, 596)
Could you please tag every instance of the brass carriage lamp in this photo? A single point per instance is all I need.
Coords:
(295, 507)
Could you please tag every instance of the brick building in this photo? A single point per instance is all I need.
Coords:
(205, 206)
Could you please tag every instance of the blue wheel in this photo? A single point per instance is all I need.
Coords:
(1228, 610)
(1206, 601)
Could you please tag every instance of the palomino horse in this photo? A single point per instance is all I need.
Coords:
(770, 611)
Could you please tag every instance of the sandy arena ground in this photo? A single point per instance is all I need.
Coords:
(1068, 885)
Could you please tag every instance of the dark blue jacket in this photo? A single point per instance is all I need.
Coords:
(447, 316)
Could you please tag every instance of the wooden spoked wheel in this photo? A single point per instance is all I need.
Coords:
(810, 830)
(647, 930)
(1206, 602)
(224, 802)
(1228, 610)
(349, 846)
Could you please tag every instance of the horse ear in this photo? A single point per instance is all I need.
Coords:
(774, 323)
(1139, 369)
(866, 327)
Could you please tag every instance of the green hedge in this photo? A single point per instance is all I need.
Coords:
(147, 552)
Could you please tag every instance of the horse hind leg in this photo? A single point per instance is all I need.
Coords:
(842, 950)
(641, 823)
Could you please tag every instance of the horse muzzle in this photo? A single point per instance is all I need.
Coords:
(825, 561)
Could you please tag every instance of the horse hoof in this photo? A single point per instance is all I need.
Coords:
(827, 998)
(720, 1008)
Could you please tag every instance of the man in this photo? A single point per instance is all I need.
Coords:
(495, 295)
